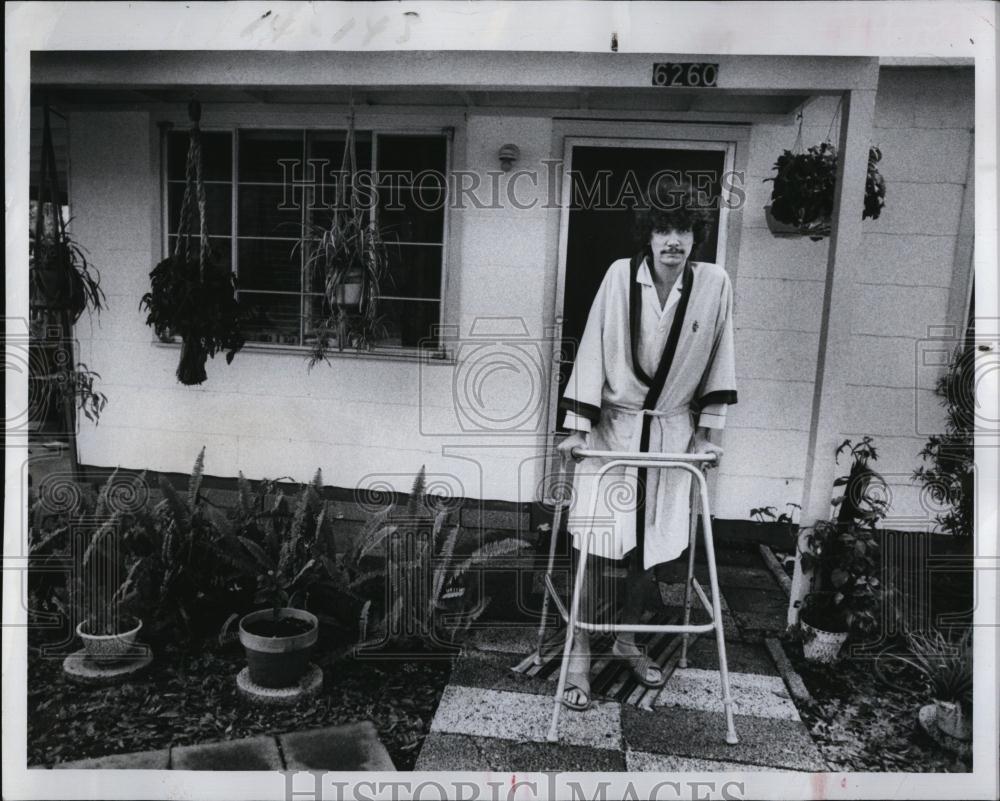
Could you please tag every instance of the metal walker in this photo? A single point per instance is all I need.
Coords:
(681, 461)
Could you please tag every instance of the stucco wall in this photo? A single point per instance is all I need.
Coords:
(375, 421)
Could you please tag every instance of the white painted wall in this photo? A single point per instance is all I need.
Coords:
(372, 422)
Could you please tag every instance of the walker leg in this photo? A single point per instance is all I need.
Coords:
(688, 591)
(574, 608)
(727, 698)
(556, 525)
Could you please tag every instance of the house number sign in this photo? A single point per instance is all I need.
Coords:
(685, 74)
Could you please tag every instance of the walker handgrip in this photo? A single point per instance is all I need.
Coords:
(656, 457)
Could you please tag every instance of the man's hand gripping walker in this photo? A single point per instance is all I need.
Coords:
(692, 463)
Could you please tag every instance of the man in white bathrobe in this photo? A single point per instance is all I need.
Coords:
(656, 357)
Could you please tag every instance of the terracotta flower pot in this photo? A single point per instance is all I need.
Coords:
(278, 648)
(109, 647)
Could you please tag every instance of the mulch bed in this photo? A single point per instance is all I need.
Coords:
(864, 716)
(189, 697)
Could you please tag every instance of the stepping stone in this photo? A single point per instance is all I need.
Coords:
(741, 657)
(307, 687)
(524, 717)
(509, 640)
(83, 670)
(492, 670)
(696, 734)
(355, 746)
(252, 753)
(753, 694)
(639, 761)
(139, 760)
(451, 752)
(753, 578)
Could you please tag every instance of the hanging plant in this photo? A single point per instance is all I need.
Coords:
(60, 277)
(803, 192)
(349, 261)
(192, 294)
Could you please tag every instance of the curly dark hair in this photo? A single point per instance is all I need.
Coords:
(672, 203)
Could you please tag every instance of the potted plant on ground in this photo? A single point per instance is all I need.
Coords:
(103, 594)
(945, 662)
(802, 196)
(280, 545)
(842, 556)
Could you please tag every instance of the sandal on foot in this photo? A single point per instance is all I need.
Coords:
(581, 684)
(639, 664)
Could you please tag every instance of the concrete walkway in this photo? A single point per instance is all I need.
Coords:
(496, 719)
(352, 747)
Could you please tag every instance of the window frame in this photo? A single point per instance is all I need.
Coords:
(447, 125)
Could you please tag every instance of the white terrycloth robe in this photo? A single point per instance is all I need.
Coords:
(686, 362)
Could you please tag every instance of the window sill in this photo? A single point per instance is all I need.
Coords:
(442, 357)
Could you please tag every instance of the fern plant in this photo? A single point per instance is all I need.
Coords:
(421, 571)
(284, 545)
(176, 574)
(96, 540)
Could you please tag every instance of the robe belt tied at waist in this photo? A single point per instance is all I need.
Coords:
(636, 438)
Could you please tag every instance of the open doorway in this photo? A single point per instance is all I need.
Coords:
(603, 179)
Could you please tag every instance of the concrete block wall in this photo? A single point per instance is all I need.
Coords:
(923, 125)
(923, 120)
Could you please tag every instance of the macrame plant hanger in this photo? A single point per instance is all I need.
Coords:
(194, 196)
(56, 290)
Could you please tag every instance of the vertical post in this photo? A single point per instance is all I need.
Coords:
(840, 296)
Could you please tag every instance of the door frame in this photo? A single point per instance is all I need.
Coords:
(732, 140)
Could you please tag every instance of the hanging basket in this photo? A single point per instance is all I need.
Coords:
(192, 295)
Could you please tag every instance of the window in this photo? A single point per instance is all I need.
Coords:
(266, 189)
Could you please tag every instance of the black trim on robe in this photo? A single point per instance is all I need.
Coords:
(719, 396)
(634, 312)
(591, 412)
(655, 390)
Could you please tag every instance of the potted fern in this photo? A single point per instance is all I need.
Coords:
(282, 546)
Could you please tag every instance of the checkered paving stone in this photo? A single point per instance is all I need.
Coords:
(640, 761)
(753, 694)
(524, 717)
(495, 713)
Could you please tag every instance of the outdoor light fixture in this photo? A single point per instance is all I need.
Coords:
(508, 155)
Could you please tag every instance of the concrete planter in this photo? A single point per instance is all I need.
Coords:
(821, 646)
(109, 648)
(273, 660)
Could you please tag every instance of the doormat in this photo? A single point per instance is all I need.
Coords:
(611, 679)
